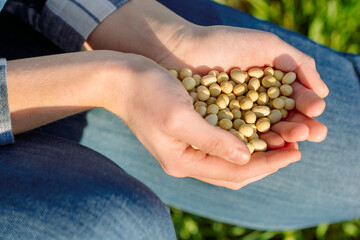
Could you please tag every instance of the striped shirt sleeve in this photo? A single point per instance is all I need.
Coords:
(67, 23)
(6, 136)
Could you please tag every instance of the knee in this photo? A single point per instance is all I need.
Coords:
(129, 212)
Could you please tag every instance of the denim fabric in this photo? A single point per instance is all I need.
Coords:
(322, 187)
(6, 136)
(2, 3)
(54, 189)
(67, 23)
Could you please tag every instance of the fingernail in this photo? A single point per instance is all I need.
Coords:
(239, 156)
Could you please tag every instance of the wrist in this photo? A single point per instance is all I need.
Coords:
(143, 27)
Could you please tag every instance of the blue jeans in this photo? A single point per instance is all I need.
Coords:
(323, 187)
(51, 188)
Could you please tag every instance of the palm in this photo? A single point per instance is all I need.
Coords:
(223, 48)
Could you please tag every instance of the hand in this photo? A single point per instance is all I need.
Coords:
(160, 113)
(150, 29)
(222, 48)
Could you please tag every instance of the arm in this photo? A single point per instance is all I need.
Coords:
(142, 93)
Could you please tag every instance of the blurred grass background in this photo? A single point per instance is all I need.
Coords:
(335, 23)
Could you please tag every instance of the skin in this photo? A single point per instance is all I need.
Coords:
(155, 105)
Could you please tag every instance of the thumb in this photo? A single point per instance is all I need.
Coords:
(210, 139)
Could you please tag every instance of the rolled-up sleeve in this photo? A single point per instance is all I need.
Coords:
(67, 23)
(6, 136)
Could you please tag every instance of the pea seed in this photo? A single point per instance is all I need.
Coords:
(174, 73)
(240, 98)
(237, 123)
(239, 89)
(289, 78)
(233, 83)
(200, 103)
(259, 145)
(201, 110)
(246, 130)
(269, 71)
(284, 113)
(262, 89)
(215, 73)
(221, 102)
(263, 99)
(194, 96)
(289, 104)
(247, 77)
(236, 113)
(231, 96)
(222, 77)
(246, 104)
(253, 95)
(194, 147)
(234, 104)
(212, 109)
(250, 147)
(261, 111)
(263, 125)
(215, 90)
(211, 100)
(225, 124)
(254, 84)
(207, 80)
(256, 72)
(203, 93)
(237, 76)
(278, 75)
(226, 97)
(226, 87)
(189, 83)
(275, 116)
(253, 126)
(212, 119)
(254, 136)
(278, 103)
(250, 117)
(277, 84)
(286, 90)
(185, 72)
(268, 81)
(273, 92)
(197, 79)
(225, 114)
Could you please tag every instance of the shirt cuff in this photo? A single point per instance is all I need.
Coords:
(6, 136)
(68, 23)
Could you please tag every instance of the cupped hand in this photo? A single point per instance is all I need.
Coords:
(160, 113)
(223, 48)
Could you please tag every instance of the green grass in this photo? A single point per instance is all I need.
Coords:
(335, 23)
(189, 226)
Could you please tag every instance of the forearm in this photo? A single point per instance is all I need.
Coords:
(45, 89)
(144, 27)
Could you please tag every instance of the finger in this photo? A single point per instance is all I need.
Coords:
(273, 140)
(198, 164)
(307, 101)
(231, 185)
(317, 130)
(291, 131)
(293, 145)
(291, 59)
(208, 138)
